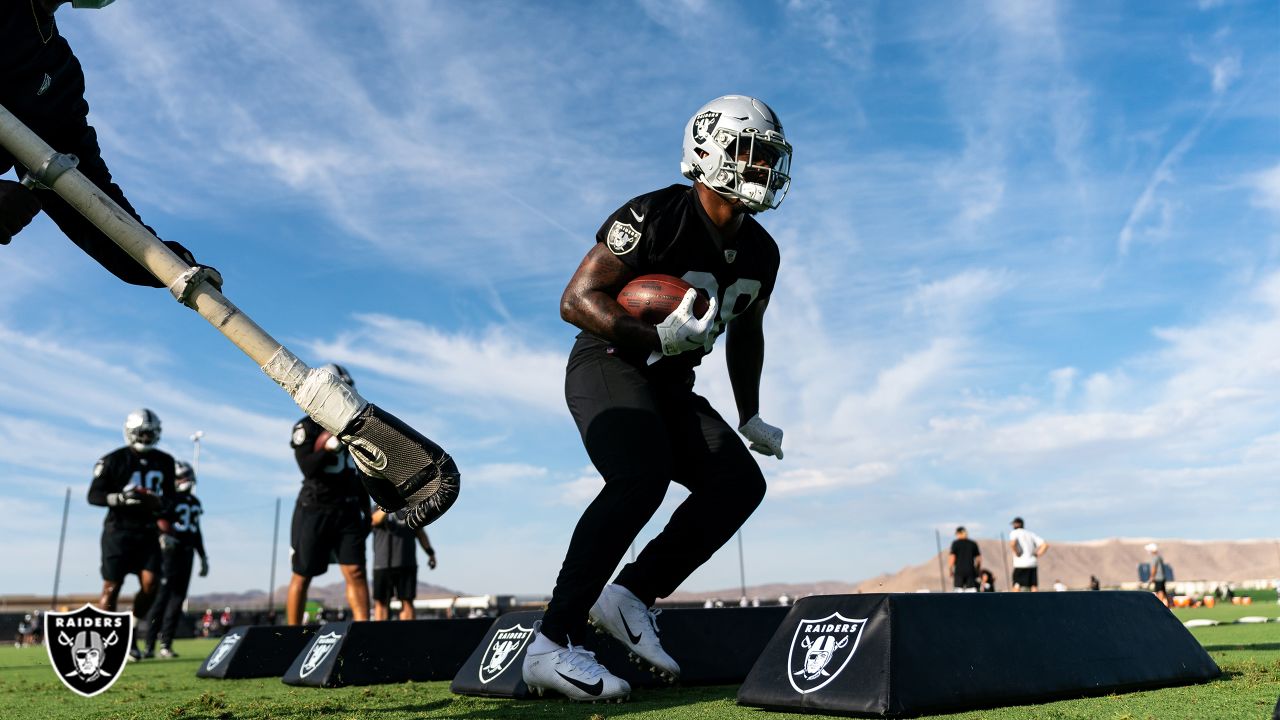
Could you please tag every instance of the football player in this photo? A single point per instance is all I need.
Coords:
(331, 517)
(179, 547)
(629, 387)
(42, 84)
(135, 484)
(395, 563)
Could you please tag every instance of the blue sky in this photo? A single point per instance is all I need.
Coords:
(1031, 265)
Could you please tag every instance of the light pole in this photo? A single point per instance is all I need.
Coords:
(195, 456)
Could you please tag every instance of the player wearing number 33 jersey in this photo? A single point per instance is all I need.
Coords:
(629, 387)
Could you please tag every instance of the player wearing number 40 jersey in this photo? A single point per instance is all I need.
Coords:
(178, 547)
(135, 483)
(629, 386)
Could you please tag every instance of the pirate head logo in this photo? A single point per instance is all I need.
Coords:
(622, 238)
(506, 646)
(704, 124)
(821, 649)
(88, 647)
(318, 651)
(223, 650)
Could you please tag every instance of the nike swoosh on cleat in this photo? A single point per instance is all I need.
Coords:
(634, 638)
(593, 689)
(639, 218)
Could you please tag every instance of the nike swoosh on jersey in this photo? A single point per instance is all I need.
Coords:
(639, 218)
(634, 638)
(593, 689)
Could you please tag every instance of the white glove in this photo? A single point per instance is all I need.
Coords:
(765, 438)
(682, 331)
(120, 499)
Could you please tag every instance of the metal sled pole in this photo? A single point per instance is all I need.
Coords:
(403, 468)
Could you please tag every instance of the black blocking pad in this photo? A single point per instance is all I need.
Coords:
(373, 653)
(712, 646)
(908, 654)
(250, 651)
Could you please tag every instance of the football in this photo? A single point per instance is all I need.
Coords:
(652, 298)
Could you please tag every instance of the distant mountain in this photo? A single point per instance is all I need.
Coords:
(333, 595)
(1114, 561)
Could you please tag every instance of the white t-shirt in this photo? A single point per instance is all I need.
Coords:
(1025, 556)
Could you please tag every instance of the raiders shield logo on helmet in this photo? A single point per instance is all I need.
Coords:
(88, 647)
(820, 649)
(318, 651)
(506, 646)
(704, 124)
(223, 650)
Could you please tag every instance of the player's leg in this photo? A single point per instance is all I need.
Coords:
(725, 486)
(112, 569)
(352, 529)
(177, 579)
(1033, 579)
(381, 593)
(613, 407)
(407, 590)
(308, 558)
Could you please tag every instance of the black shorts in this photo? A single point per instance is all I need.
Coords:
(1026, 577)
(129, 551)
(1159, 585)
(322, 535)
(965, 582)
(401, 582)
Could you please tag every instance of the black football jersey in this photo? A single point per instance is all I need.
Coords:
(151, 469)
(186, 509)
(668, 232)
(328, 478)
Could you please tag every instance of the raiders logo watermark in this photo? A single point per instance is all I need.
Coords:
(704, 124)
(622, 238)
(319, 650)
(223, 651)
(88, 647)
(821, 649)
(506, 646)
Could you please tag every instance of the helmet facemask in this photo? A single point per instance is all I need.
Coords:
(142, 430)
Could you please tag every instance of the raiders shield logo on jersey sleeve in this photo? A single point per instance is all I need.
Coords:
(622, 238)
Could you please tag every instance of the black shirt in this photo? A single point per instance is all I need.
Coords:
(965, 551)
(42, 84)
(395, 545)
(150, 469)
(186, 520)
(668, 232)
(329, 479)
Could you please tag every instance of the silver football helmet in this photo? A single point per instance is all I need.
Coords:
(142, 429)
(341, 372)
(184, 477)
(735, 146)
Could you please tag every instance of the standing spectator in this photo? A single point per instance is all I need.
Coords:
(224, 621)
(395, 563)
(1027, 548)
(1094, 583)
(1159, 573)
(206, 623)
(964, 562)
(986, 581)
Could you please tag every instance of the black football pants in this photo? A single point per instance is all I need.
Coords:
(165, 613)
(641, 434)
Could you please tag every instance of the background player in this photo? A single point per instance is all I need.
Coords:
(42, 84)
(179, 548)
(1027, 548)
(629, 386)
(330, 518)
(395, 563)
(136, 483)
(964, 562)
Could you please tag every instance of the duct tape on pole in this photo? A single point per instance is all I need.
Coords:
(401, 467)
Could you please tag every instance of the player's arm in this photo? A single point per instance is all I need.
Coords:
(103, 485)
(425, 542)
(1042, 548)
(744, 355)
(590, 302)
(379, 516)
(951, 563)
(311, 454)
(977, 561)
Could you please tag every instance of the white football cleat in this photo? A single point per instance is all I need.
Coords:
(574, 673)
(621, 614)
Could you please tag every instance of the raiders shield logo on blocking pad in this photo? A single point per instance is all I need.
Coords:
(506, 646)
(821, 649)
(88, 647)
(320, 650)
(221, 652)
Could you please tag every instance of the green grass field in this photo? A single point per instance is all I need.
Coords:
(1249, 656)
